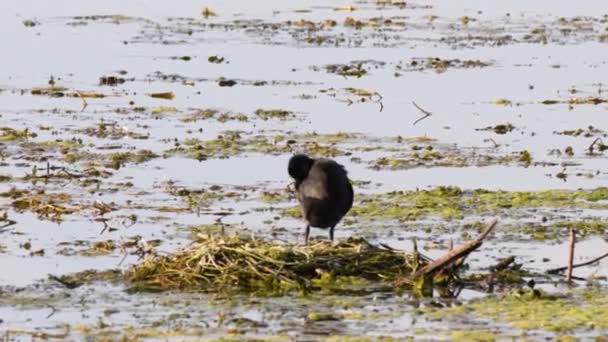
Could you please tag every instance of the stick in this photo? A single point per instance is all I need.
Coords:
(592, 261)
(53, 310)
(457, 253)
(570, 254)
(68, 284)
(593, 144)
(7, 224)
(426, 113)
(84, 102)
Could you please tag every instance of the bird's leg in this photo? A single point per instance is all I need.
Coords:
(331, 233)
(306, 233)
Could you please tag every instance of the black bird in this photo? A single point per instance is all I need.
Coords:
(323, 189)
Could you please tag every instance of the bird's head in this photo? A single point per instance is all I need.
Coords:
(299, 165)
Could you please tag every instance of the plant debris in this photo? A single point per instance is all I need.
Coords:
(220, 263)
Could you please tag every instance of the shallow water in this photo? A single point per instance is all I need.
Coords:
(145, 40)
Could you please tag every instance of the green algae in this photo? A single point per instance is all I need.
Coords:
(411, 205)
(273, 197)
(449, 202)
(535, 310)
(233, 143)
(438, 155)
(11, 134)
(345, 338)
(473, 335)
(68, 143)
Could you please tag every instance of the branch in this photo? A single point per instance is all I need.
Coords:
(426, 113)
(455, 254)
(571, 245)
(590, 148)
(592, 261)
(84, 102)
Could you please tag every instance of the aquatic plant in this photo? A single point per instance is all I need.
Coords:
(220, 263)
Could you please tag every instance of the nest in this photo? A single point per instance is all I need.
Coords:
(220, 263)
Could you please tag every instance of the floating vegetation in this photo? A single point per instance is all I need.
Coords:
(525, 157)
(280, 114)
(225, 263)
(207, 12)
(448, 156)
(224, 82)
(502, 101)
(59, 91)
(74, 162)
(232, 143)
(182, 58)
(589, 132)
(215, 59)
(111, 80)
(205, 114)
(356, 70)
(111, 130)
(168, 95)
(50, 206)
(118, 159)
(451, 202)
(441, 65)
(100, 248)
(77, 279)
(498, 129)
(11, 134)
(532, 309)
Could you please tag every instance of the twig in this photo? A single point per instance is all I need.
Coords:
(457, 253)
(426, 113)
(493, 141)
(593, 144)
(53, 310)
(68, 284)
(84, 102)
(570, 254)
(592, 261)
(124, 251)
(8, 223)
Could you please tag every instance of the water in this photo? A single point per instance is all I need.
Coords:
(144, 42)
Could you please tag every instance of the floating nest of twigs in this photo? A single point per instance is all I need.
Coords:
(224, 263)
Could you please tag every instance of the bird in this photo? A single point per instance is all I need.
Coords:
(323, 189)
